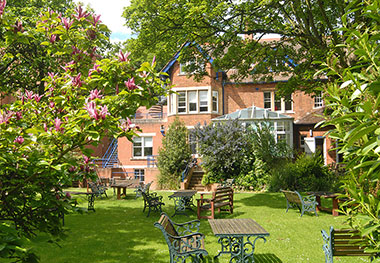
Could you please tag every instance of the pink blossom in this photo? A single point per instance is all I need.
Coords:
(45, 127)
(69, 66)
(51, 104)
(92, 111)
(67, 23)
(29, 94)
(18, 115)
(80, 13)
(72, 169)
(2, 6)
(117, 89)
(86, 159)
(154, 60)
(19, 140)
(57, 125)
(104, 112)
(96, 19)
(76, 50)
(95, 68)
(52, 75)
(95, 94)
(126, 125)
(130, 84)
(6, 116)
(76, 80)
(123, 57)
(18, 26)
(37, 98)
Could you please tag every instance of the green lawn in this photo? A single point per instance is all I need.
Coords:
(119, 232)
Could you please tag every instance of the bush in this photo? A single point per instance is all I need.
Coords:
(307, 173)
(173, 156)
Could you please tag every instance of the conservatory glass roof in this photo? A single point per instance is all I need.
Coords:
(254, 113)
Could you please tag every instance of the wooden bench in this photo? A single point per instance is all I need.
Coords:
(304, 204)
(343, 242)
(184, 240)
(221, 197)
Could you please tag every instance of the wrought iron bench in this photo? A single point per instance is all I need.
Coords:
(152, 201)
(142, 188)
(304, 204)
(184, 240)
(97, 189)
(343, 242)
(221, 197)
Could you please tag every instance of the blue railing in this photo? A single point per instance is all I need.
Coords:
(188, 167)
(151, 161)
(110, 158)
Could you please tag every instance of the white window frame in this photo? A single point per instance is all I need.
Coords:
(175, 101)
(139, 174)
(178, 102)
(207, 101)
(192, 102)
(318, 100)
(142, 147)
(215, 94)
(273, 102)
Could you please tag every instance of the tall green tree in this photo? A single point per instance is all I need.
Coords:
(174, 155)
(307, 29)
(354, 102)
(44, 134)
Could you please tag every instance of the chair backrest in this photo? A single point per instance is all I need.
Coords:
(93, 187)
(167, 227)
(292, 197)
(146, 187)
(223, 194)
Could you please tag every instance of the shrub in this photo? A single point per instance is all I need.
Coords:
(306, 173)
(173, 156)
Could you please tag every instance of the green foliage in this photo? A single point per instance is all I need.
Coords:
(306, 173)
(174, 155)
(310, 26)
(354, 100)
(229, 150)
(44, 134)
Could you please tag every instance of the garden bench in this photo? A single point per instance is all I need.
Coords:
(343, 242)
(97, 189)
(152, 201)
(304, 204)
(184, 240)
(142, 188)
(221, 197)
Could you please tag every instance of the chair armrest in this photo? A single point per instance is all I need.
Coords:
(194, 241)
(309, 199)
(187, 227)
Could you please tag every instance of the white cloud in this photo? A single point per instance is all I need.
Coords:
(110, 11)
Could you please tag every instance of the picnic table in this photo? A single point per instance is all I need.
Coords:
(183, 199)
(330, 195)
(124, 184)
(238, 237)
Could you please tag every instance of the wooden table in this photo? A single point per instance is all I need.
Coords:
(238, 237)
(183, 199)
(124, 184)
(333, 197)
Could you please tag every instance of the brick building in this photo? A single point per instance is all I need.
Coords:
(212, 98)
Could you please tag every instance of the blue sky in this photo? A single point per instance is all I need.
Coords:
(111, 11)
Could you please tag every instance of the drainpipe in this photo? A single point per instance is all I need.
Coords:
(223, 83)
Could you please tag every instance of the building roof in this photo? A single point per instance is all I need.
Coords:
(313, 117)
(254, 114)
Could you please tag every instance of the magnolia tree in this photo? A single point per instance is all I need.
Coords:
(44, 136)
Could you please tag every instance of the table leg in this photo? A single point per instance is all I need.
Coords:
(179, 205)
(118, 192)
(241, 250)
(318, 199)
(335, 206)
(91, 201)
(125, 191)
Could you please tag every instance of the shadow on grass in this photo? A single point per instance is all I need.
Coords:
(272, 200)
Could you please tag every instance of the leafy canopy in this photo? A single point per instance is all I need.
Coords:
(307, 29)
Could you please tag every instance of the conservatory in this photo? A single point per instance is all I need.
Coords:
(280, 124)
